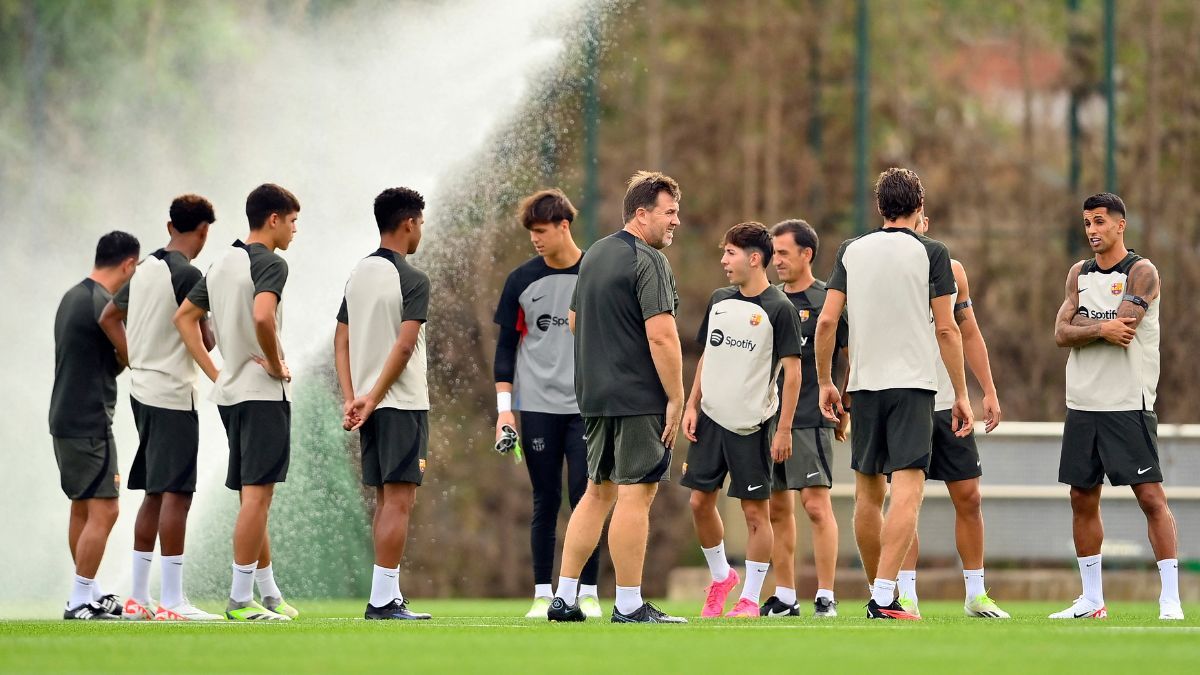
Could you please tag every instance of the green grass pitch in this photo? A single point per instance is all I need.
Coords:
(482, 636)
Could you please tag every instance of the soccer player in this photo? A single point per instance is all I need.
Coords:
(243, 290)
(890, 279)
(82, 401)
(751, 335)
(535, 374)
(807, 470)
(139, 323)
(1109, 320)
(956, 461)
(629, 384)
(380, 356)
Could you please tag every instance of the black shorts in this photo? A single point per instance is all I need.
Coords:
(809, 464)
(1122, 445)
(627, 450)
(394, 446)
(891, 430)
(260, 445)
(168, 443)
(953, 458)
(718, 452)
(87, 467)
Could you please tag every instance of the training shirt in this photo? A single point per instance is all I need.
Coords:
(1102, 376)
(228, 291)
(744, 340)
(162, 372)
(534, 305)
(84, 395)
(384, 291)
(808, 304)
(889, 276)
(623, 281)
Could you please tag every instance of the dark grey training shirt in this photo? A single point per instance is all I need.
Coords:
(623, 281)
(84, 395)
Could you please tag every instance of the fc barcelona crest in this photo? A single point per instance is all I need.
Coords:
(1117, 287)
(755, 319)
(804, 314)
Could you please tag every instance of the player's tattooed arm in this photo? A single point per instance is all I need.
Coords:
(1141, 288)
(1072, 329)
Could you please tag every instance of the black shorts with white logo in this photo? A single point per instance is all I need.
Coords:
(718, 452)
(260, 442)
(953, 458)
(168, 443)
(891, 430)
(1122, 445)
(809, 464)
(394, 446)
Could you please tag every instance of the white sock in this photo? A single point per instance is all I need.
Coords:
(97, 592)
(141, 576)
(718, 564)
(172, 580)
(383, 585)
(974, 582)
(883, 592)
(629, 599)
(543, 591)
(906, 583)
(589, 590)
(242, 589)
(1168, 572)
(824, 593)
(396, 586)
(81, 592)
(786, 595)
(1089, 571)
(265, 580)
(756, 574)
(568, 590)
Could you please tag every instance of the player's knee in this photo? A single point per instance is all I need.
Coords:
(1153, 504)
(1084, 500)
(105, 511)
(702, 502)
(818, 511)
(969, 502)
(758, 514)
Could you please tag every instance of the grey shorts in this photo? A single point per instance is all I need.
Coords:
(168, 443)
(260, 447)
(394, 446)
(87, 467)
(1122, 445)
(627, 450)
(953, 458)
(809, 464)
(891, 430)
(718, 452)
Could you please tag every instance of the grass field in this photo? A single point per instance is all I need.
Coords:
(483, 636)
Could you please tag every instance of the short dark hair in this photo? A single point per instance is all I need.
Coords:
(1105, 200)
(801, 231)
(643, 190)
(751, 236)
(266, 199)
(115, 248)
(191, 211)
(898, 193)
(396, 205)
(546, 206)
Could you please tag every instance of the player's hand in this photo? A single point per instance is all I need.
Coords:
(962, 419)
(672, 418)
(831, 402)
(843, 426)
(1119, 331)
(991, 413)
(279, 372)
(349, 419)
(690, 417)
(360, 409)
(506, 417)
(781, 445)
